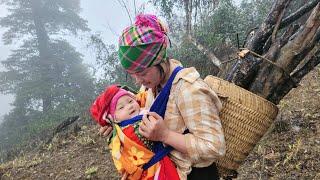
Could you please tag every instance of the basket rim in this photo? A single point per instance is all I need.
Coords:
(245, 90)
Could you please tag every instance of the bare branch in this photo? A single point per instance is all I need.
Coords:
(284, 88)
(304, 52)
(297, 48)
(283, 40)
(275, 29)
(269, 78)
(265, 30)
(299, 13)
(288, 34)
(267, 45)
(312, 63)
(62, 126)
(249, 33)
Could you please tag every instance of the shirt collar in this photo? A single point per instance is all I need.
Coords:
(188, 74)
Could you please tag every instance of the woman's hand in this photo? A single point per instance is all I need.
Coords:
(153, 127)
(105, 131)
(124, 176)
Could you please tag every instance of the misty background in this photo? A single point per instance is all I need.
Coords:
(105, 17)
(57, 56)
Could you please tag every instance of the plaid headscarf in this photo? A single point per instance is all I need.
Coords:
(143, 44)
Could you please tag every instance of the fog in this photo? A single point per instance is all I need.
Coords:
(105, 17)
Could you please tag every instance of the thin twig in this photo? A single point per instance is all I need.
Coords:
(275, 30)
(224, 62)
(123, 4)
(135, 7)
(112, 30)
(299, 13)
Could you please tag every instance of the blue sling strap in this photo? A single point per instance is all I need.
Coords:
(159, 106)
(130, 121)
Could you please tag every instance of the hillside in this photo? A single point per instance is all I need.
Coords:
(290, 150)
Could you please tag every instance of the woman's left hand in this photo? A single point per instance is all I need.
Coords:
(153, 127)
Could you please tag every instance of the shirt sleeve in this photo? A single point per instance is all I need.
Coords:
(199, 107)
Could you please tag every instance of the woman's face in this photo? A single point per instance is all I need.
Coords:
(150, 77)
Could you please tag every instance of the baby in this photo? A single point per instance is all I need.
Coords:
(129, 149)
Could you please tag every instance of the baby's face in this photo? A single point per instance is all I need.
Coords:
(126, 108)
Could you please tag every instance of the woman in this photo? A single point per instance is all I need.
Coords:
(192, 105)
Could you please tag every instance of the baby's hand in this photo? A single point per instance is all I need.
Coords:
(143, 111)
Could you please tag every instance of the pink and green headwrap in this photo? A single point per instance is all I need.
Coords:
(143, 44)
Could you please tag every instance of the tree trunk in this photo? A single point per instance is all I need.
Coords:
(44, 54)
(188, 12)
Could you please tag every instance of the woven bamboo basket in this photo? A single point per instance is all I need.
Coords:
(245, 118)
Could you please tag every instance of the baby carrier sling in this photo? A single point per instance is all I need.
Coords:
(159, 106)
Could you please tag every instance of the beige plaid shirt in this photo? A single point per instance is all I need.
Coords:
(194, 106)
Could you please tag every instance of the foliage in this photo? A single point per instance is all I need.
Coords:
(221, 25)
(215, 25)
(108, 64)
(252, 13)
(91, 170)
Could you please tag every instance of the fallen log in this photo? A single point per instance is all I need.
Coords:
(62, 126)
(273, 60)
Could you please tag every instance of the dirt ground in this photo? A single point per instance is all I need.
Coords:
(290, 149)
(81, 156)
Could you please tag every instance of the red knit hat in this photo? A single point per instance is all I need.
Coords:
(101, 104)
